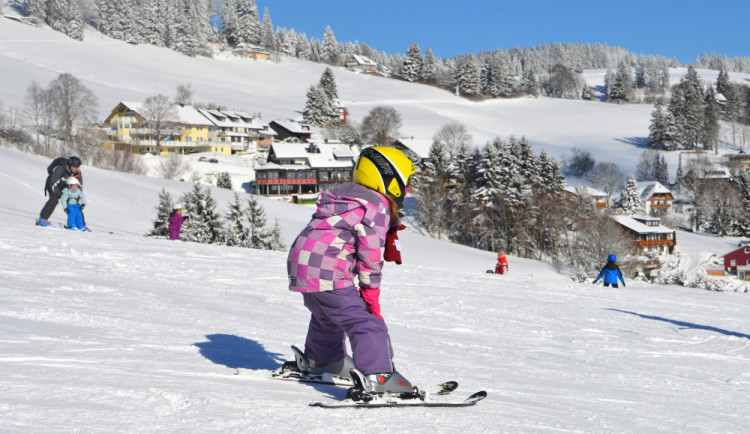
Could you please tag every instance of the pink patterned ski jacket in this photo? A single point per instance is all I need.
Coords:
(346, 237)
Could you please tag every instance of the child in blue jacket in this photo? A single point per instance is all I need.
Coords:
(73, 201)
(611, 273)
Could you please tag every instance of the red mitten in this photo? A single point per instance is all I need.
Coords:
(393, 245)
(372, 300)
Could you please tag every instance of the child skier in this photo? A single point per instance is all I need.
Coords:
(73, 201)
(346, 238)
(611, 273)
(175, 223)
(502, 263)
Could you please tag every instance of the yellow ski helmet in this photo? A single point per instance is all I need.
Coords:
(386, 170)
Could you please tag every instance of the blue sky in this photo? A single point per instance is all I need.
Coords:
(671, 28)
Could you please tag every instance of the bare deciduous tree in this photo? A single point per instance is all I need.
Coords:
(73, 103)
(606, 177)
(184, 94)
(381, 125)
(453, 136)
(161, 117)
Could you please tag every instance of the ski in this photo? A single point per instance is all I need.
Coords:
(395, 401)
(290, 372)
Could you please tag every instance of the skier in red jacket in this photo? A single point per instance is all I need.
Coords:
(502, 263)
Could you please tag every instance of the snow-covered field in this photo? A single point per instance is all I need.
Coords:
(112, 332)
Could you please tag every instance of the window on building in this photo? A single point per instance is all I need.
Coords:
(733, 262)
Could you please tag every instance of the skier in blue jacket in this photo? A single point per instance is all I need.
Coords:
(611, 273)
(73, 201)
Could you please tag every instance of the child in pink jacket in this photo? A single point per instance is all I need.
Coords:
(345, 241)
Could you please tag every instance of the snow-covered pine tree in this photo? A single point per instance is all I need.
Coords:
(330, 48)
(429, 68)
(275, 241)
(238, 230)
(412, 64)
(433, 182)
(686, 108)
(256, 219)
(711, 115)
(161, 223)
(319, 110)
(630, 202)
(230, 22)
(328, 83)
(267, 39)
(203, 224)
(459, 203)
(529, 85)
(661, 170)
(224, 180)
(722, 82)
(151, 28)
(248, 22)
(658, 129)
(466, 76)
(621, 90)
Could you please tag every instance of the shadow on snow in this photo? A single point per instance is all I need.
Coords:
(687, 325)
(238, 352)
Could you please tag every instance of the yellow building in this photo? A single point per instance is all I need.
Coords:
(183, 131)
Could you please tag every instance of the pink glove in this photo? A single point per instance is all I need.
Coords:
(372, 300)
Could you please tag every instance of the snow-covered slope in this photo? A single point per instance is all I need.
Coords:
(111, 331)
(116, 71)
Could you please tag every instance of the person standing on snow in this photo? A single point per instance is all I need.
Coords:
(502, 263)
(611, 273)
(355, 223)
(175, 223)
(58, 172)
(73, 201)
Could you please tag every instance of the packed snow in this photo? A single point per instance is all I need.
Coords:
(113, 331)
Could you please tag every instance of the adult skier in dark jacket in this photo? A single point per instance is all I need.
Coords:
(56, 182)
(611, 273)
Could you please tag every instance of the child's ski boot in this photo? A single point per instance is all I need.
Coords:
(340, 368)
(368, 387)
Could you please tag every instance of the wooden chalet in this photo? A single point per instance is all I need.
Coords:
(648, 236)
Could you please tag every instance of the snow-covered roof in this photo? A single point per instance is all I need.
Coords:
(185, 114)
(646, 189)
(633, 223)
(418, 145)
(593, 192)
(362, 60)
(231, 119)
(294, 127)
(330, 155)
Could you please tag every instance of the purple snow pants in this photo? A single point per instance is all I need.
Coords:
(341, 313)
